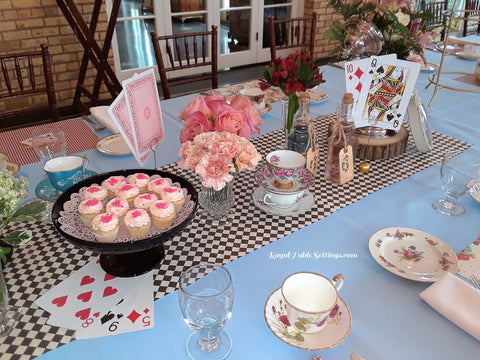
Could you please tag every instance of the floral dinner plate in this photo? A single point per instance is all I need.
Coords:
(317, 96)
(412, 254)
(336, 330)
(266, 109)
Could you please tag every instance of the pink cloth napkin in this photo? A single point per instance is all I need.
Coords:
(100, 113)
(457, 301)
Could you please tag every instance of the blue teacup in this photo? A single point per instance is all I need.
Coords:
(65, 171)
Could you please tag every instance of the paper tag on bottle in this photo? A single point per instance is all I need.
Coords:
(312, 160)
(345, 159)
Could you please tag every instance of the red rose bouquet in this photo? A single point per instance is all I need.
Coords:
(296, 73)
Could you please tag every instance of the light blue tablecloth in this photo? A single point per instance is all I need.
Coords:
(390, 321)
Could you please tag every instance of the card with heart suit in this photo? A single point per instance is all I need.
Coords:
(132, 313)
(389, 87)
(81, 299)
(356, 72)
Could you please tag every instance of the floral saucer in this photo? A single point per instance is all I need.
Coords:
(302, 181)
(412, 254)
(336, 330)
(300, 206)
(45, 190)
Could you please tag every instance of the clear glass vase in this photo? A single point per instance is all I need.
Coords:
(217, 204)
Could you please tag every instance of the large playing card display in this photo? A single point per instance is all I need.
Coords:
(382, 87)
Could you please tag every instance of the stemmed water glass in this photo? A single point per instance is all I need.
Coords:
(9, 315)
(459, 169)
(48, 142)
(206, 300)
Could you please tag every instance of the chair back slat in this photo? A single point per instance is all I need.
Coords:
(186, 55)
(472, 10)
(292, 33)
(25, 68)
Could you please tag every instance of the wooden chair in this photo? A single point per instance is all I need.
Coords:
(437, 9)
(292, 33)
(21, 77)
(186, 51)
(472, 10)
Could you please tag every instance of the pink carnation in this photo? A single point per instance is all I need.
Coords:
(215, 171)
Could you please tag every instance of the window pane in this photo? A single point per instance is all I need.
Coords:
(135, 44)
(278, 13)
(227, 4)
(234, 31)
(273, 2)
(192, 24)
(178, 6)
(135, 8)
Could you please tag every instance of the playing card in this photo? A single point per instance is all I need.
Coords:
(144, 111)
(134, 312)
(80, 299)
(356, 72)
(118, 111)
(383, 102)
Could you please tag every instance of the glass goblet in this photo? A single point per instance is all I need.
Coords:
(9, 315)
(458, 170)
(206, 300)
(48, 142)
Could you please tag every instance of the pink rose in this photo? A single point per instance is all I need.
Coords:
(214, 102)
(197, 104)
(215, 171)
(252, 118)
(195, 124)
(230, 120)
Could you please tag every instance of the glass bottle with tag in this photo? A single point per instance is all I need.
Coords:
(303, 138)
(342, 145)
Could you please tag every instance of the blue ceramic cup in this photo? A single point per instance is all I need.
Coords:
(65, 171)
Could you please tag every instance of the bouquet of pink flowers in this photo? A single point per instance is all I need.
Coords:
(216, 155)
(214, 113)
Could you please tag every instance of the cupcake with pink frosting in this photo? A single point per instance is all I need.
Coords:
(95, 192)
(113, 183)
(140, 180)
(138, 223)
(143, 201)
(105, 226)
(119, 206)
(163, 213)
(88, 209)
(128, 192)
(175, 195)
(157, 185)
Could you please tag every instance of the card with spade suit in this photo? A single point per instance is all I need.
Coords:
(132, 313)
(79, 301)
(384, 100)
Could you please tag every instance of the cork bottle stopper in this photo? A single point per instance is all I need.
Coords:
(348, 98)
(305, 97)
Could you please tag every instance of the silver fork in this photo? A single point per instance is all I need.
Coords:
(474, 281)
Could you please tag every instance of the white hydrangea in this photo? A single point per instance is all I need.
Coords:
(11, 190)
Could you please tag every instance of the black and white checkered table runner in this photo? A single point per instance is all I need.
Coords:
(48, 259)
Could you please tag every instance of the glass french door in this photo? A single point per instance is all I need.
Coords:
(242, 29)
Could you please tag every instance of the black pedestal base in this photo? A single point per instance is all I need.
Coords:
(132, 264)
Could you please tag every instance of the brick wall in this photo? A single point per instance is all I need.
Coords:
(26, 24)
(323, 46)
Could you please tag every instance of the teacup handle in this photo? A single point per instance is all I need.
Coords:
(338, 281)
(85, 162)
(266, 200)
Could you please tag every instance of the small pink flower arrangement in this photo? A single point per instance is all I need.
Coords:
(214, 113)
(215, 156)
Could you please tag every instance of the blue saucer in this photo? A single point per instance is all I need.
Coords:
(46, 191)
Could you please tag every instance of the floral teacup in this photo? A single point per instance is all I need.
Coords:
(284, 165)
(309, 299)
